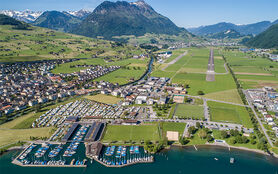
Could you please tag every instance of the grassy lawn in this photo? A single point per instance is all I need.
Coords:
(9, 136)
(221, 112)
(107, 99)
(192, 111)
(170, 126)
(122, 133)
(217, 135)
(227, 96)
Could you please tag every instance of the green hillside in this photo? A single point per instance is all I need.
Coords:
(267, 39)
(40, 43)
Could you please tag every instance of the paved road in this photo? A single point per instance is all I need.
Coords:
(206, 110)
(175, 60)
(257, 117)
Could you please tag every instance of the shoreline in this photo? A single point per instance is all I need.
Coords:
(271, 154)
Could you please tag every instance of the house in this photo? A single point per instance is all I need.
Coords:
(178, 98)
(141, 99)
(32, 103)
(130, 122)
(150, 101)
(162, 100)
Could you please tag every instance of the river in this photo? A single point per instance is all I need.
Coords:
(175, 161)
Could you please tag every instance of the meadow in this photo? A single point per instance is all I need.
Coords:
(251, 70)
(189, 111)
(103, 99)
(221, 112)
(41, 43)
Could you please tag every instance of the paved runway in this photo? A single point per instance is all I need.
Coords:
(211, 73)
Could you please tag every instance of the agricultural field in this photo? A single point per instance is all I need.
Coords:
(40, 43)
(121, 133)
(221, 112)
(251, 70)
(189, 111)
(103, 99)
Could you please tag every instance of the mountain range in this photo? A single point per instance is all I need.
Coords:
(252, 29)
(266, 39)
(30, 16)
(228, 34)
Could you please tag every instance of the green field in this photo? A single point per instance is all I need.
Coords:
(170, 126)
(191, 69)
(251, 70)
(221, 112)
(104, 99)
(121, 133)
(41, 43)
(189, 111)
(9, 136)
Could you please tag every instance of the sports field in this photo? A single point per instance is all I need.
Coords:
(171, 126)
(221, 112)
(189, 111)
(121, 133)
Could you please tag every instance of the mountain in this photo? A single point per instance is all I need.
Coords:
(122, 18)
(228, 34)
(29, 16)
(61, 21)
(267, 39)
(6, 20)
(253, 29)
(25, 16)
(82, 14)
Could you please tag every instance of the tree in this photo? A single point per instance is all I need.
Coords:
(201, 93)
(203, 134)
(192, 130)
(210, 138)
(198, 125)
(224, 134)
(234, 132)
(183, 141)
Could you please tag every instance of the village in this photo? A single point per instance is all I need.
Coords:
(24, 85)
(265, 101)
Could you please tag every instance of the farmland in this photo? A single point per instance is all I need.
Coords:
(221, 112)
(40, 43)
(131, 133)
(251, 70)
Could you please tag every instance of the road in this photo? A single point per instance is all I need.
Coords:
(257, 117)
(175, 60)
(206, 110)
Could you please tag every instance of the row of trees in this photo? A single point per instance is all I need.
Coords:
(262, 144)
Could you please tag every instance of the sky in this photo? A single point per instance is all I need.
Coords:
(184, 13)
